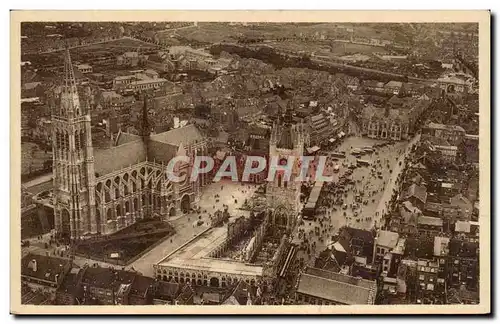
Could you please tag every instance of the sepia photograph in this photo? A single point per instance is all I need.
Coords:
(250, 162)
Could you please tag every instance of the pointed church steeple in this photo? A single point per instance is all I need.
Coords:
(73, 161)
(70, 102)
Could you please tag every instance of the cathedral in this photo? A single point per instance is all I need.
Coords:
(99, 192)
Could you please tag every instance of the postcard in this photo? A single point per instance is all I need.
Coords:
(250, 162)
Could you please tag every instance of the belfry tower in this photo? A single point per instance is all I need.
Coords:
(287, 139)
(73, 162)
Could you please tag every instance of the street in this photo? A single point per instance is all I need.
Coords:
(363, 198)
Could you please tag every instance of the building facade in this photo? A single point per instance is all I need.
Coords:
(287, 141)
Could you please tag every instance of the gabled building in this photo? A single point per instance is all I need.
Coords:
(428, 225)
(165, 293)
(242, 294)
(388, 251)
(441, 252)
(416, 195)
(141, 291)
(321, 287)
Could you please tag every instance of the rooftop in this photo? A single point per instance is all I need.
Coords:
(431, 221)
(185, 135)
(416, 191)
(387, 239)
(43, 267)
(394, 84)
(445, 127)
(119, 157)
(441, 245)
(107, 277)
(462, 226)
(336, 287)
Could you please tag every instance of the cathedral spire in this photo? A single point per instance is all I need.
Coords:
(69, 74)
(70, 102)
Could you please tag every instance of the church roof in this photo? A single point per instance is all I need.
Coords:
(124, 138)
(187, 135)
(119, 157)
(161, 152)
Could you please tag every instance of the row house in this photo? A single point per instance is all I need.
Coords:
(389, 249)
(416, 195)
(463, 264)
(428, 225)
(440, 253)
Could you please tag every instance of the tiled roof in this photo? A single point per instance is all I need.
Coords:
(43, 267)
(416, 191)
(124, 138)
(186, 135)
(167, 290)
(387, 239)
(336, 287)
(186, 293)
(141, 285)
(107, 278)
(119, 157)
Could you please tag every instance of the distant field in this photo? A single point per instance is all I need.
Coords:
(342, 48)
